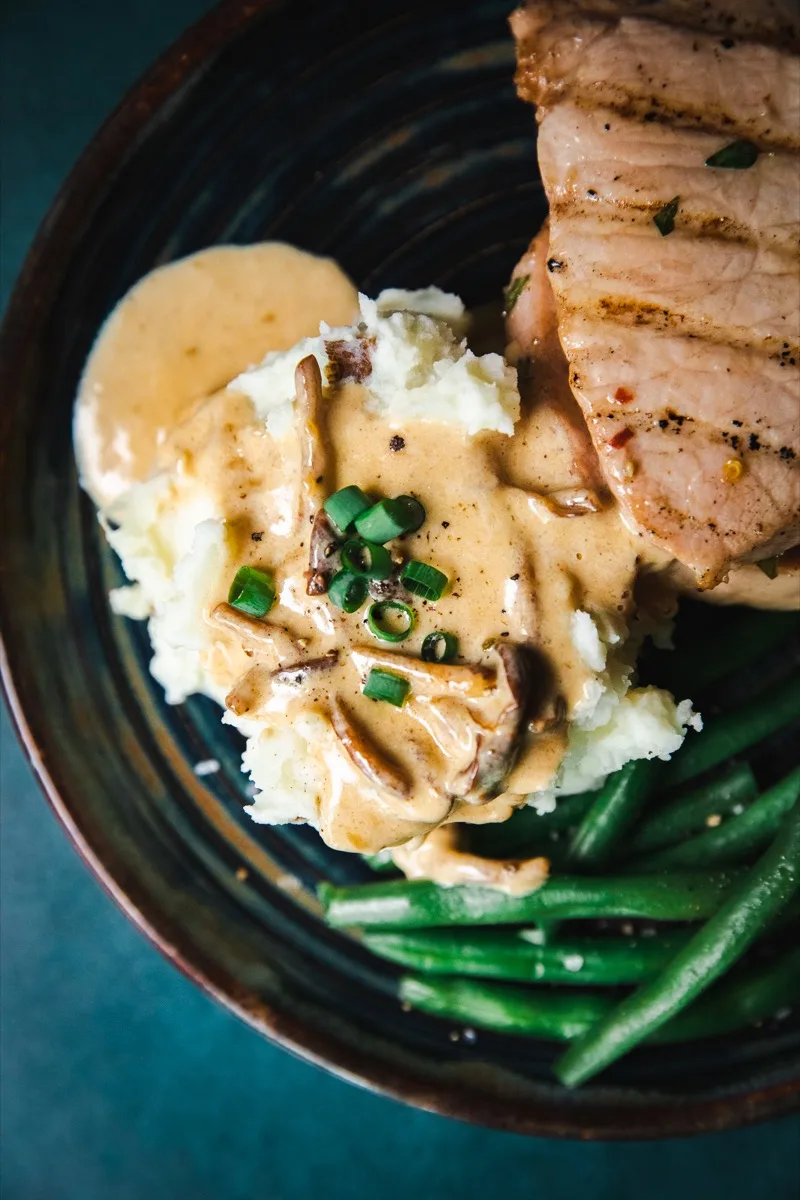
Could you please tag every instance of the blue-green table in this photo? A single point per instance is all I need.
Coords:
(119, 1080)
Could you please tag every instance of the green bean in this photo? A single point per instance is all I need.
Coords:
(736, 641)
(522, 957)
(381, 863)
(528, 827)
(618, 804)
(688, 814)
(750, 906)
(552, 1014)
(563, 1016)
(418, 904)
(734, 1002)
(734, 842)
(733, 732)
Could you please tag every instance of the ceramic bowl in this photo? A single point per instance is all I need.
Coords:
(389, 137)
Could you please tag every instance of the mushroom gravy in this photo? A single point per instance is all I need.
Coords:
(514, 522)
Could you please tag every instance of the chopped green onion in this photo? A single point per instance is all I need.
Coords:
(440, 647)
(390, 519)
(513, 292)
(736, 156)
(347, 591)
(376, 620)
(423, 580)
(769, 566)
(367, 559)
(252, 592)
(383, 685)
(664, 220)
(345, 505)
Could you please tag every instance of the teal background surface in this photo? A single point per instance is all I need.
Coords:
(119, 1079)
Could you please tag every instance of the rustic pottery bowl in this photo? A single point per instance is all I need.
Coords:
(390, 138)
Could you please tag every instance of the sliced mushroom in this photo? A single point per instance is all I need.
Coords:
(299, 672)
(498, 743)
(308, 394)
(268, 640)
(437, 857)
(247, 694)
(256, 686)
(434, 679)
(351, 360)
(368, 757)
(566, 502)
(449, 724)
(313, 465)
(322, 558)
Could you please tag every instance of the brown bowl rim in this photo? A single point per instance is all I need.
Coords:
(628, 1121)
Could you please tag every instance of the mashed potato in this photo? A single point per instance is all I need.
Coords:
(173, 536)
(421, 369)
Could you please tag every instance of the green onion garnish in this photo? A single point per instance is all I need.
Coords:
(390, 519)
(736, 156)
(423, 580)
(347, 591)
(376, 620)
(513, 292)
(769, 566)
(383, 685)
(440, 647)
(664, 220)
(344, 506)
(252, 592)
(367, 559)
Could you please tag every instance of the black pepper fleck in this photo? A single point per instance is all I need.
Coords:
(445, 524)
(256, 537)
(397, 443)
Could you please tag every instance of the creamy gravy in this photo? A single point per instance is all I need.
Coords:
(151, 394)
(181, 334)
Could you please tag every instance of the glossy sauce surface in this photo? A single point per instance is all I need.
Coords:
(153, 395)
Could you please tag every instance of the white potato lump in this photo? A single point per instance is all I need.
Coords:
(171, 540)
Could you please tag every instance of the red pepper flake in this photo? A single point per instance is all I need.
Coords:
(623, 395)
(621, 439)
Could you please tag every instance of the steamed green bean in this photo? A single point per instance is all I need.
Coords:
(734, 841)
(745, 997)
(616, 807)
(734, 731)
(750, 907)
(523, 957)
(418, 904)
(687, 814)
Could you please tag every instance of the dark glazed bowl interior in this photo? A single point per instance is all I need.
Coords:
(390, 138)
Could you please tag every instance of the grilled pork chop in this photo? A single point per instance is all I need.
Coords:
(677, 283)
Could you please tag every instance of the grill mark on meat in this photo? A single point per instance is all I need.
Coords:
(653, 110)
(628, 312)
(702, 327)
(641, 212)
(768, 23)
